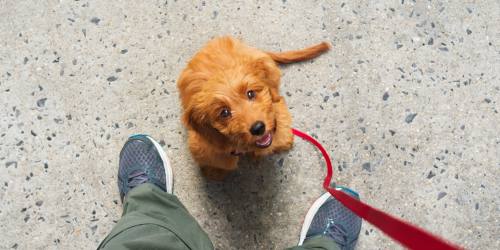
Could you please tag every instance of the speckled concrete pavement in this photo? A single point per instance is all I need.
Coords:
(407, 101)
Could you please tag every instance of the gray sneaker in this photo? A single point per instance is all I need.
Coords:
(330, 218)
(142, 160)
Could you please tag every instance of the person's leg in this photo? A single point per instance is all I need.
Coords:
(318, 243)
(329, 225)
(152, 217)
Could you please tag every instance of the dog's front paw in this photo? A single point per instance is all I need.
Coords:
(286, 142)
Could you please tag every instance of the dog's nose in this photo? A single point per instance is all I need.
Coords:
(258, 128)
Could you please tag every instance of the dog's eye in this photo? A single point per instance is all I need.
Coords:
(251, 94)
(225, 113)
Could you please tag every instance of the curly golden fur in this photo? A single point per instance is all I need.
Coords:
(232, 106)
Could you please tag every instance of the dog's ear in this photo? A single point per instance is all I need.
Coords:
(196, 118)
(267, 71)
(275, 95)
(190, 83)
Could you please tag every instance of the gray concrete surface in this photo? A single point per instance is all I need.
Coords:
(407, 101)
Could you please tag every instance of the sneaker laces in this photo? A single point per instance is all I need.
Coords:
(336, 232)
(136, 178)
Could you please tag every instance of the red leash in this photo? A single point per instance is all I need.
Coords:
(408, 235)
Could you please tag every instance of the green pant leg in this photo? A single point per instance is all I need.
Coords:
(317, 243)
(153, 219)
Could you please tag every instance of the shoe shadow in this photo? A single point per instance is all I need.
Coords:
(247, 201)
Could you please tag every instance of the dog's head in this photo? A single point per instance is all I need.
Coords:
(235, 106)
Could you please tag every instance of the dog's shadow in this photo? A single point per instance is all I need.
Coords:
(246, 200)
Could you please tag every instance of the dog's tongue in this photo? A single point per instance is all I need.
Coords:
(264, 141)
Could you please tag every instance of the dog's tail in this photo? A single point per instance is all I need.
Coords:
(300, 55)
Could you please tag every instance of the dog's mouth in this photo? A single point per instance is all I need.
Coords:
(264, 141)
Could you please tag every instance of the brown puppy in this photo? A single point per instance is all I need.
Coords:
(232, 106)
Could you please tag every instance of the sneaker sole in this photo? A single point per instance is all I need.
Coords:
(310, 215)
(169, 175)
(314, 209)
